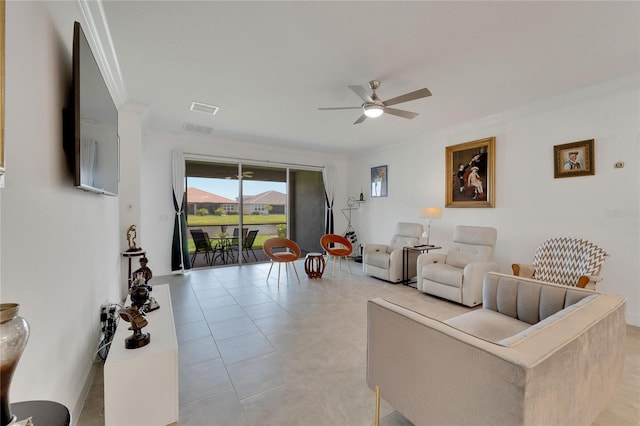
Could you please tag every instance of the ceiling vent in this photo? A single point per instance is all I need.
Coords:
(204, 108)
(197, 128)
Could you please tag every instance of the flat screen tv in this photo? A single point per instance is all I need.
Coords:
(91, 139)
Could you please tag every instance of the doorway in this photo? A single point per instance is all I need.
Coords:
(240, 205)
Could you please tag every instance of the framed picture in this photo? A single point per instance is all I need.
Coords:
(379, 181)
(573, 159)
(470, 178)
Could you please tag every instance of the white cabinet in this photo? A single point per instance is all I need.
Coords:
(141, 385)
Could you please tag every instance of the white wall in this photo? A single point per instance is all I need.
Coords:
(157, 213)
(60, 246)
(531, 205)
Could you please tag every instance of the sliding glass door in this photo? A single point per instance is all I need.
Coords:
(240, 205)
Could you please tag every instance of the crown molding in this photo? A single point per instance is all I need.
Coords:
(99, 36)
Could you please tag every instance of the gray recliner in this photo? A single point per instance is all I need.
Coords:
(384, 261)
(457, 275)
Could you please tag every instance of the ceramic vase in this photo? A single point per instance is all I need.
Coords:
(14, 333)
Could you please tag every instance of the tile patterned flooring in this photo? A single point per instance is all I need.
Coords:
(255, 353)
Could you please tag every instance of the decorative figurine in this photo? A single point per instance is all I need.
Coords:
(144, 270)
(140, 290)
(138, 339)
(131, 239)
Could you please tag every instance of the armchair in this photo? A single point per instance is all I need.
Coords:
(567, 261)
(384, 261)
(457, 275)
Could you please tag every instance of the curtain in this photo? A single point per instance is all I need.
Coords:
(179, 247)
(329, 200)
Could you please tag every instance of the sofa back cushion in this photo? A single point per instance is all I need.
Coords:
(527, 300)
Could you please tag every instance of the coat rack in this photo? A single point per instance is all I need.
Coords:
(350, 233)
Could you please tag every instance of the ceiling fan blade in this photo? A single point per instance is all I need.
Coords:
(401, 113)
(332, 108)
(422, 93)
(361, 119)
(362, 93)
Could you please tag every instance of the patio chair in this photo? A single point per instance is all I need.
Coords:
(203, 245)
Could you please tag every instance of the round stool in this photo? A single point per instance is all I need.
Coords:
(314, 264)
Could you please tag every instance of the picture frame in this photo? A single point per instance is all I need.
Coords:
(574, 159)
(379, 181)
(470, 174)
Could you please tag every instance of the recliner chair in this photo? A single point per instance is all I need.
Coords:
(457, 275)
(384, 261)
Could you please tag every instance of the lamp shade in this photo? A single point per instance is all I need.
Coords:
(430, 212)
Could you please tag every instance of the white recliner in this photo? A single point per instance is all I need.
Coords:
(457, 275)
(384, 261)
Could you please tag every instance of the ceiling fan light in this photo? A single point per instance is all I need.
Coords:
(373, 111)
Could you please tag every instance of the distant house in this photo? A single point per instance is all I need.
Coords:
(257, 204)
(199, 199)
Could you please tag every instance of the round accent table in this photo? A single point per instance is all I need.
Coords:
(314, 265)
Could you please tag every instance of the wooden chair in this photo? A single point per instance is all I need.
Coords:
(566, 261)
(337, 246)
(282, 250)
(203, 245)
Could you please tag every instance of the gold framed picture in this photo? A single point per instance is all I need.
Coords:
(574, 159)
(470, 174)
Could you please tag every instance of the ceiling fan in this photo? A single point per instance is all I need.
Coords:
(374, 107)
(245, 175)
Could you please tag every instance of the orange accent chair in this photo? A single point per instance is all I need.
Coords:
(282, 250)
(337, 246)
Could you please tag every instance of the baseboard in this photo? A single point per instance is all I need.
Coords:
(84, 394)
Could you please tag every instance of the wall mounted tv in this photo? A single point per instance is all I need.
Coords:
(91, 139)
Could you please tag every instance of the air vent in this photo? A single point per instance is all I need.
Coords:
(197, 128)
(204, 108)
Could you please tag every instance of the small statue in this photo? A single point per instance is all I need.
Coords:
(131, 239)
(140, 278)
(138, 339)
(144, 270)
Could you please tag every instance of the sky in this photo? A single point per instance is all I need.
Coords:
(228, 188)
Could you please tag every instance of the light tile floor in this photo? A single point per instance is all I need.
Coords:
(255, 353)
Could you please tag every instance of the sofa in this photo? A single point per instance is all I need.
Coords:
(385, 261)
(535, 354)
(457, 274)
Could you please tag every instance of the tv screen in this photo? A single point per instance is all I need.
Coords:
(95, 149)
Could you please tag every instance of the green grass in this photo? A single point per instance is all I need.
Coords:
(250, 219)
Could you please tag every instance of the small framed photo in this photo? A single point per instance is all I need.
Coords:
(470, 178)
(379, 181)
(574, 159)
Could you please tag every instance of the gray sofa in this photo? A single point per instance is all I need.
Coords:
(535, 354)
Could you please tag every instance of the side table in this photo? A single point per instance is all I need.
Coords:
(405, 259)
(314, 265)
(129, 255)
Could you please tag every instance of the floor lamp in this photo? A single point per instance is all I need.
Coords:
(429, 213)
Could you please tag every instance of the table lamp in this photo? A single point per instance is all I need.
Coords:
(429, 213)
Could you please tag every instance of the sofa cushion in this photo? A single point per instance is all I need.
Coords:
(443, 274)
(379, 259)
(518, 337)
(487, 324)
(525, 299)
